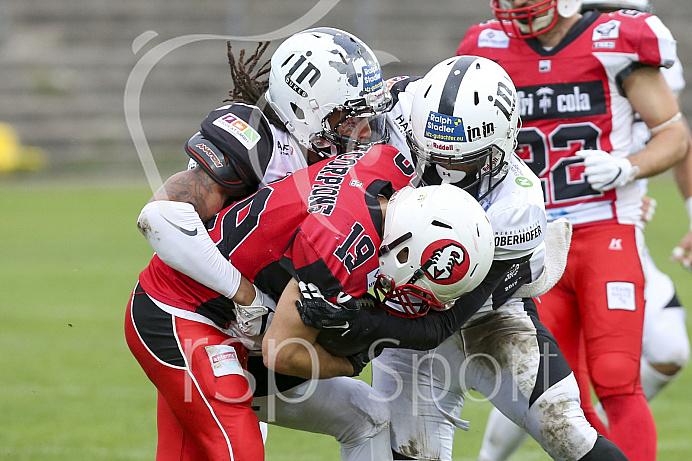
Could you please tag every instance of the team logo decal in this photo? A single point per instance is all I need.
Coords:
(608, 31)
(450, 261)
(307, 71)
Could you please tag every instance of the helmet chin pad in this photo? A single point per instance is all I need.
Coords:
(448, 175)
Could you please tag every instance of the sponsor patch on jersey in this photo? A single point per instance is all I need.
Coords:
(519, 238)
(490, 38)
(224, 360)
(523, 182)
(239, 129)
(621, 296)
(440, 127)
(604, 45)
(449, 261)
(545, 65)
(390, 83)
(372, 79)
(607, 31)
(563, 100)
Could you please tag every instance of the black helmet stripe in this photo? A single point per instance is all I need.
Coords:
(449, 92)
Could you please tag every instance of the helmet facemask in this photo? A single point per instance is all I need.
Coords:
(532, 20)
(343, 133)
(489, 167)
(528, 21)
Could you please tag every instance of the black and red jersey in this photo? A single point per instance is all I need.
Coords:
(322, 224)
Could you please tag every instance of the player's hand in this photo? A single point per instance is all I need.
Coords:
(317, 312)
(683, 252)
(648, 208)
(605, 172)
(253, 320)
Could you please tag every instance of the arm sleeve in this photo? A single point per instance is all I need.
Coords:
(427, 332)
(177, 235)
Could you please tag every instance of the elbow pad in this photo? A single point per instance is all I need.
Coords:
(176, 233)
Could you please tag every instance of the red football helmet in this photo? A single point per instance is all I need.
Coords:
(532, 20)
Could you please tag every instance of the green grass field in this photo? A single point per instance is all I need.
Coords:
(69, 388)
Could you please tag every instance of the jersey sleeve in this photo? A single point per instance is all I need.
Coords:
(657, 46)
(234, 145)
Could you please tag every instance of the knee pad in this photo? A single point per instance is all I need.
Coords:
(614, 373)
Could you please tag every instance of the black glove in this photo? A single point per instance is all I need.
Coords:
(319, 313)
(361, 359)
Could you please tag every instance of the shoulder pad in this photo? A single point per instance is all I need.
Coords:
(217, 165)
(243, 134)
(398, 85)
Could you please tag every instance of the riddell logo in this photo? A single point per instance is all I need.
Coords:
(210, 153)
(442, 146)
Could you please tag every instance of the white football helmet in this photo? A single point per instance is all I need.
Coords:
(437, 245)
(532, 20)
(464, 115)
(318, 72)
(612, 5)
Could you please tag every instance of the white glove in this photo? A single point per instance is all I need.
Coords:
(253, 320)
(605, 172)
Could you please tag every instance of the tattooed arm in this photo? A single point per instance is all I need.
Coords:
(197, 188)
(172, 222)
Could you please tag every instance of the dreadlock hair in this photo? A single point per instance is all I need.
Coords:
(247, 88)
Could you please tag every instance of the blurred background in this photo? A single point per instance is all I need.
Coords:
(65, 65)
(72, 185)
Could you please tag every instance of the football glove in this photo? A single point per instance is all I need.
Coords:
(605, 172)
(318, 312)
(253, 320)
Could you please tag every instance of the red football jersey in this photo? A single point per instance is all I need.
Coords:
(322, 224)
(571, 98)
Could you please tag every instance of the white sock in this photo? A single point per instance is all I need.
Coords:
(502, 438)
(653, 381)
